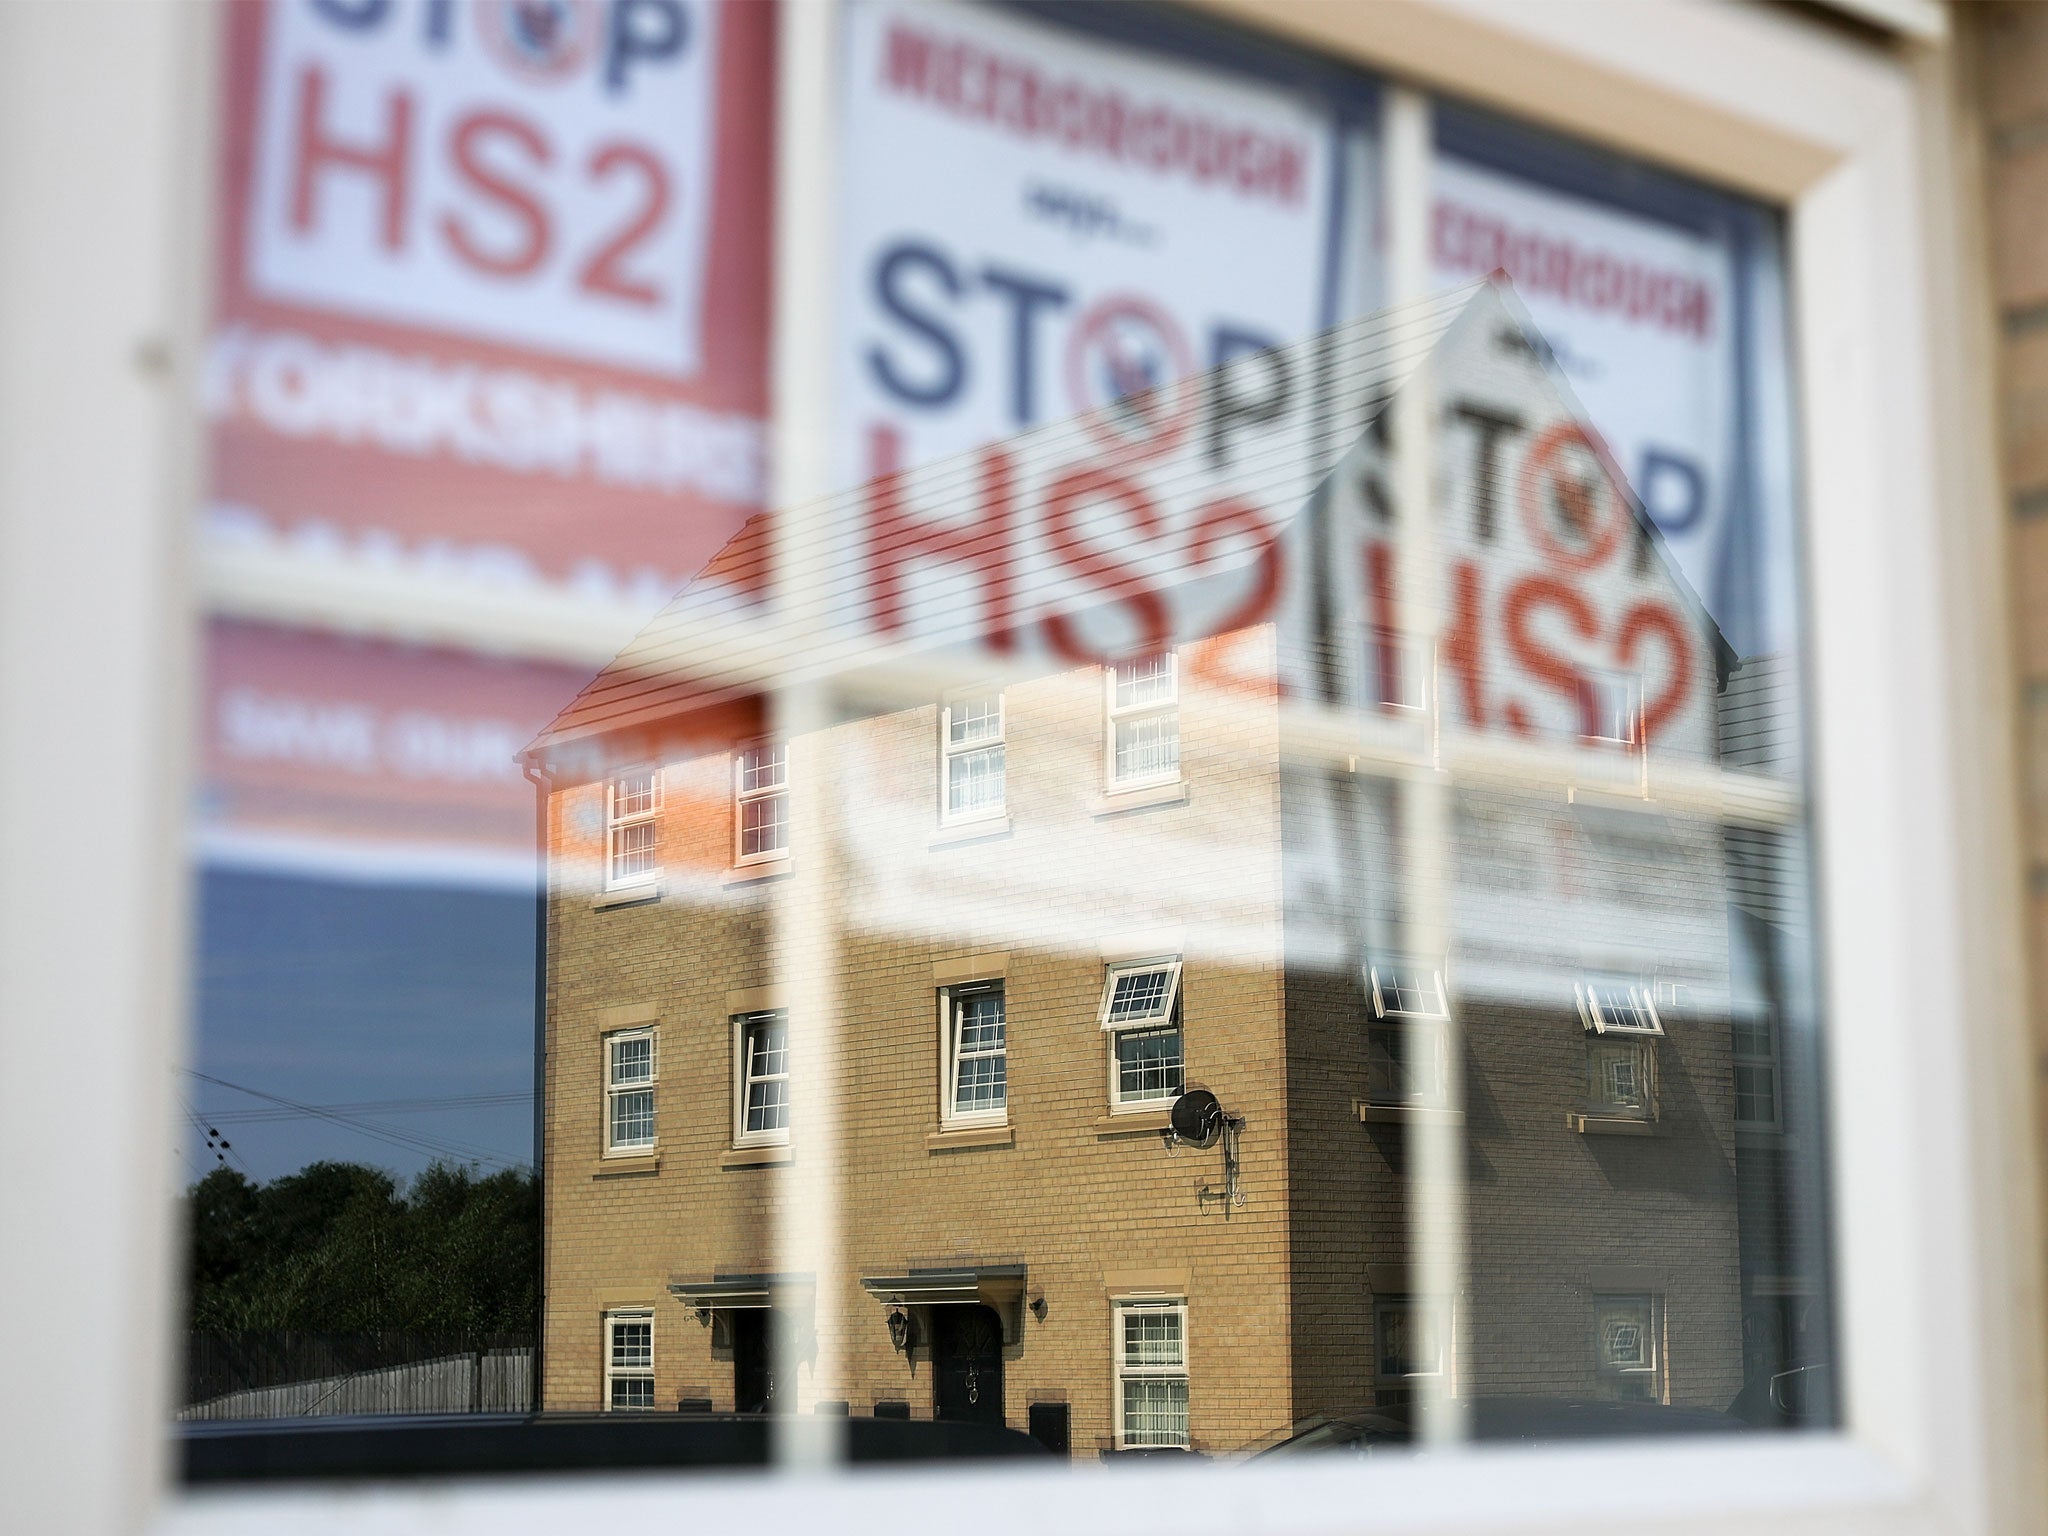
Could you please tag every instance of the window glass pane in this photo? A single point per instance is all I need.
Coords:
(1148, 746)
(1139, 994)
(974, 780)
(1448, 863)
(1148, 1064)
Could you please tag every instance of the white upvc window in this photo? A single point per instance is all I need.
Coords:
(1610, 707)
(629, 1078)
(1406, 1038)
(1618, 1008)
(971, 730)
(632, 854)
(1408, 1340)
(760, 787)
(1397, 669)
(1140, 1011)
(760, 1111)
(1151, 1344)
(1621, 1076)
(628, 1361)
(975, 1044)
(1629, 1348)
(1754, 1039)
(1144, 721)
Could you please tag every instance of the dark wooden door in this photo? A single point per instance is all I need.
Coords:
(753, 1360)
(967, 1364)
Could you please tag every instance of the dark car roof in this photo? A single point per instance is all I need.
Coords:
(420, 1445)
(1505, 1419)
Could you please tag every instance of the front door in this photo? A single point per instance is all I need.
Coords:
(967, 1364)
(753, 1360)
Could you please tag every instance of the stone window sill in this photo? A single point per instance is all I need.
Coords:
(627, 896)
(1610, 1125)
(1116, 802)
(1409, 1114)
(765, 869)
(970, 1136)
(756, 1157)
(1137, 1122)
(953, 834)
(612, 1167)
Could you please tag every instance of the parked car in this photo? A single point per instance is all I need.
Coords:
(1362, 1431)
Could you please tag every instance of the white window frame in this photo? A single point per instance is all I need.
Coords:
(1769, 1060)
(1610, 1007)
(1125, 1372)
(1643, 1048)
(617, 821)
(1113, 1039)
(1160, 1013)
(1116, 715)
(952, 753)
(1653, 1373)
(1901, 515)
(614, 1090)
(613, 1371)
(1426, 1027)
(743, 796)
(1597, 686)
(951, 1015)
(1385, 1306)
(743, 1079)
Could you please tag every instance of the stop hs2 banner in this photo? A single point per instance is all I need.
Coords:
(490, 308)
(1640, 316)
(1035, 223)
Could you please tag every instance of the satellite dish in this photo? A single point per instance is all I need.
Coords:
(1197, 1117)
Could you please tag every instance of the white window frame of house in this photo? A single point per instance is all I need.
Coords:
(1162, 1013)
(954, 754)
(617, 822)
(745, 795)
(1129, 1372)
(618, 1089)
(1644, 1369)
(1409, 1007)
(1387, 1308)
(1753, 1026)
(1609, 1007)
(1414, 670)
(1931, 1152)
(1119, 715)
(1604, 1051)
(745, 1079)
(1610, 707)
(615, 1372)
(953, 1002)
(1116, 1039)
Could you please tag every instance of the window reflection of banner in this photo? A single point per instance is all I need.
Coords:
(1037, 223)
(491, 313)
(1641, 315)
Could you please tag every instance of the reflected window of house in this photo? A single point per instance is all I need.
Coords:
(1755, 1055)
(977, 1055)
(1408, 1339)
(761, 791)
(629, 1090)
(1610, 706)
(1151, 1374)
(1141, 1012)
(972, 736)
(1144, 721)
(632, 854)
(761, 1110)
(629, 1360)
(1405, 1040)
(1629, 1356)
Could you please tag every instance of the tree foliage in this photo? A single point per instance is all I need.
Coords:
(338, 1247)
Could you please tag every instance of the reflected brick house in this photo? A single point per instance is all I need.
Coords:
(937, 959)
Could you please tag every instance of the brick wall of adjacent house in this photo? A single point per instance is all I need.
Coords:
(2009, 88)
(1089, 1206)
